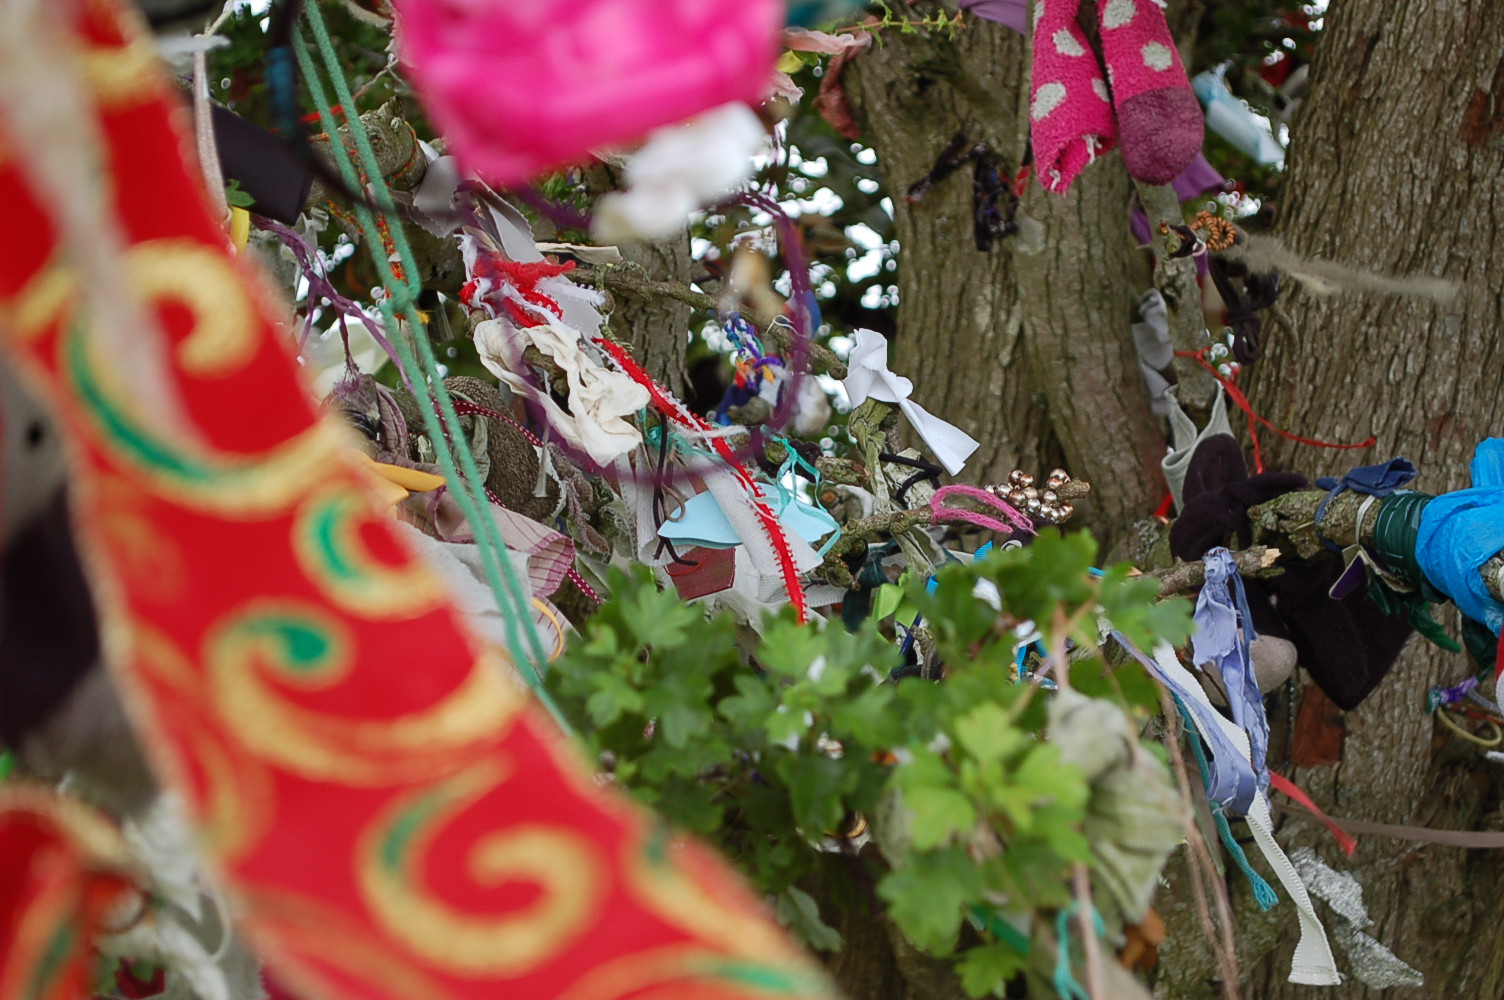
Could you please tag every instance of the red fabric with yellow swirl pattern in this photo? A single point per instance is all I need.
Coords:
(393, 815)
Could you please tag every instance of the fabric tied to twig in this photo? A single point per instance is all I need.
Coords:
(1461, 531)
(1230, 781)
(869, 378)
(1224, 628)
(601, 400)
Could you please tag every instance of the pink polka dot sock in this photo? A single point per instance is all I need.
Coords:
(1070, 114)
(1159, 118)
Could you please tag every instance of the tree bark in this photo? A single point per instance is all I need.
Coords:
(1395, 168)
(1025, 347)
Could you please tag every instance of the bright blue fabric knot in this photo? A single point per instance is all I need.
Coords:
(1461, 531)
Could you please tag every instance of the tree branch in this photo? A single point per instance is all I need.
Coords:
(1289, 522)
(1187, 577)
(1175, 277)
(632, 279)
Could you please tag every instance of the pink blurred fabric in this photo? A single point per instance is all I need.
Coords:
(523, 86)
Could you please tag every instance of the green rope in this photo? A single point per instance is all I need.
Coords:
(7, 764)
(415, 356)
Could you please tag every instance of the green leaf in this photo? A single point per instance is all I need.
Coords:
(871, 718)
(1133, 606)
(987, 733)
(752, 704)
(789, 649)
(939, 814)
(678, 720)
(612, 697)
(237, 198)
(986, 969)
(924, 769)
(927, 898)
(886, 600)
(787, 727)
(815, 784)
(798, 911)
(1044, 775)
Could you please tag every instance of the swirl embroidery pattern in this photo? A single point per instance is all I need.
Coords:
(392, 815)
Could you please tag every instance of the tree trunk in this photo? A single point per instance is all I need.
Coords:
(1025, 347)
(1395, 169)
(1396, 165)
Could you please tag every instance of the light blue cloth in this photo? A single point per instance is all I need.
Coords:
(1224, 628)
(1230, 782)
(702, 521)
(1461, 531)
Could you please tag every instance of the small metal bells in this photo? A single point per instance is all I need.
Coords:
(1048, 504)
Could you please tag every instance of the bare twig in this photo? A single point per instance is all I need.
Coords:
(1091, 946)
(1187, 577)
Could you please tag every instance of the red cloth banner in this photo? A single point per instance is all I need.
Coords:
(395, 818)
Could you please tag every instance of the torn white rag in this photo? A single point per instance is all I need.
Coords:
(868, 377)
(600, 400)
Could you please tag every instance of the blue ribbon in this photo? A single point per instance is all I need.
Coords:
(1230, 780)
(1221, 611)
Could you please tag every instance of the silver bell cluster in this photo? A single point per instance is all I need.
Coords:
(1047, 504)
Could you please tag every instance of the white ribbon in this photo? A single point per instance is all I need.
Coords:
(869, 378)
(1312, 963)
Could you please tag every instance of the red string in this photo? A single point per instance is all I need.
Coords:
(523, 277)
(677, 412)
(1236, 395)
(465, 408)
(1499, 658)
(1021, 180)
(1286, 787)
(312, 117)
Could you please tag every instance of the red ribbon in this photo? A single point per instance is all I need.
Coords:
(1286, 787)
(1236, 395)
(684, 417)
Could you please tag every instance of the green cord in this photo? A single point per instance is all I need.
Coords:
(1394, 534)
(7, 764)
(422, 370)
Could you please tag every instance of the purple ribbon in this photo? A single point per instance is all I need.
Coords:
(320, 287)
